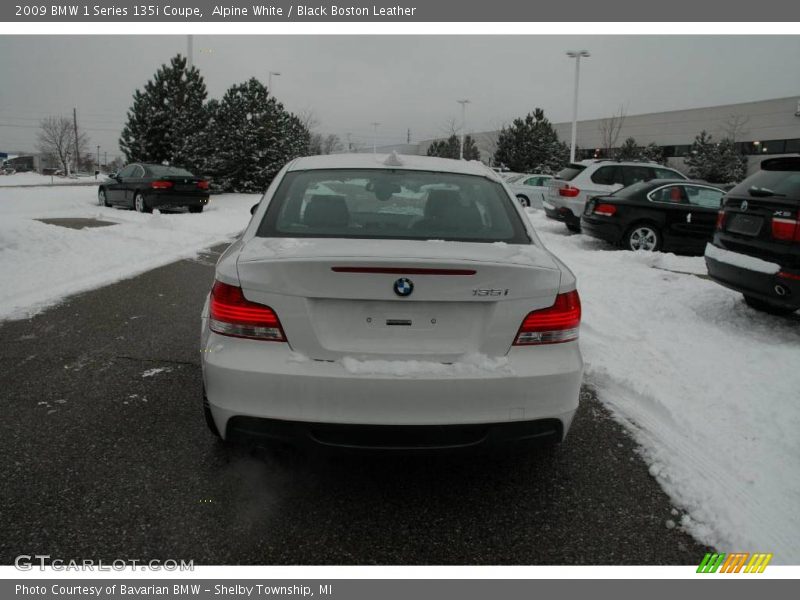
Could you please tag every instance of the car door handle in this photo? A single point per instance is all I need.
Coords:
(688, 217)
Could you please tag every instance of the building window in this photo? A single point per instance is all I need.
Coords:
(792, 146)
(773, 147)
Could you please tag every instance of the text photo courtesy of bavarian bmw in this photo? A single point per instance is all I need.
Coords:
(390, 302)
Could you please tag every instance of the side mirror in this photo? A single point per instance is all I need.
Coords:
(113, 175)
(253, 209)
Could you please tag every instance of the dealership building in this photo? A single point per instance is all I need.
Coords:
(760, 129)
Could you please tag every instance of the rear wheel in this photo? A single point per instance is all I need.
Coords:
(574, 227)
(196, 209)
(643, 236)
(767, 307)
(140, 205)
(524, 200)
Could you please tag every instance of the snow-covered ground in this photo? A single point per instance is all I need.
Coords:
(708, 387)
(38, 179)
(40, 264)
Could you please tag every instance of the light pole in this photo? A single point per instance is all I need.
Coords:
(577, 55)
(98, 162)
(269, 80)
(375, 137)
(189, 51)
(463, 104)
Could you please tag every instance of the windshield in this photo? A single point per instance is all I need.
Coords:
(392, 204)
(164, 171)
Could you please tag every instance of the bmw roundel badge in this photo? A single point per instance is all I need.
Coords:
(403, 287)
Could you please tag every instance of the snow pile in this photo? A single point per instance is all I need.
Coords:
(477, 365)
(40, 264)
(707, 386)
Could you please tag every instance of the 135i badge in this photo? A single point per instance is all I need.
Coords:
(490, 292)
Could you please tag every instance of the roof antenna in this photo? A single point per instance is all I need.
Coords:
(393, 160)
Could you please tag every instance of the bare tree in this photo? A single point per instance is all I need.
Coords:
(56, 139)
(734, 127)
(610, 129)
(331, 144)
(308, 118)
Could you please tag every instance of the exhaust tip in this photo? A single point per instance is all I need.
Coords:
(781, 290)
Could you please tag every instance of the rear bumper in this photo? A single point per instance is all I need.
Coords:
(265, 380)
(602, 229)
(727, 270)
(388, 438)
(159, 200)
(560, 213)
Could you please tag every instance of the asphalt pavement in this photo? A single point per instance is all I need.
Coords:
(106, 455)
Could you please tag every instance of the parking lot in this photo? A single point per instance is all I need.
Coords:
(107, 456)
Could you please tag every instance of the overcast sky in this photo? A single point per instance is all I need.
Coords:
(401, 81)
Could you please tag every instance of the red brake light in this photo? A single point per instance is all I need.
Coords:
(721, 216)
(554, 325)
(202, 184)
(161, 185)
(230, 313)
(568, 191)
(787, 230)
(605, 210)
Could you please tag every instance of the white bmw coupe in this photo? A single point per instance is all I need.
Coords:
(390, 303)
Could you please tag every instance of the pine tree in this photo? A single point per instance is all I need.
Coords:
(629, 150)
(531, 145)
(168, 118)
(253, 137)
(717, 162)
(451, 148)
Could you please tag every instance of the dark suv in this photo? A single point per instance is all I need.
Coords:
(756, 246)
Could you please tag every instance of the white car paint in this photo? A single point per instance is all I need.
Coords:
(531, 188)
(342, 363)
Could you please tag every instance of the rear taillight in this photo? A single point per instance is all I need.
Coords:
(230, 313)
(605, 210)
(161, 185)
(568, 191)
(202, 185)
(786, 230)
(554, 325)
(721, 216)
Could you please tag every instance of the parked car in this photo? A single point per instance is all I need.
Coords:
(756, 247)
(572, 187)
(375, 319)
(661, 214)
(529, 188)
(143, 187)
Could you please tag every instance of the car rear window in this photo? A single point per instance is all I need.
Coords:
(766, 183)
(570, 172)
(164, 171)
(392, 204)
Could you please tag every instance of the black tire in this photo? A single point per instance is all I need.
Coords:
(196, 209)
(209, 418)
(140, 204)
(574, 227)
(643, 236)
(524, 200)
(102, 198)
(767, 307)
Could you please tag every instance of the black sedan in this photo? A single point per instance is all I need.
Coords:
(660, 214)
(144, 187)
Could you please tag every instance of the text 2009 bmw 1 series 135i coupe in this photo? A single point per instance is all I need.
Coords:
(390, 303)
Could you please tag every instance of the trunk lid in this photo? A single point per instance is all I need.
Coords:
(333, 302)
